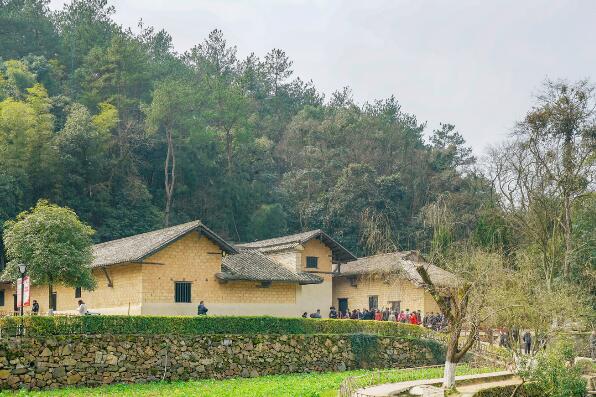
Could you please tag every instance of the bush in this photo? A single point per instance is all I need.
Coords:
(554, 373)
(62, 325)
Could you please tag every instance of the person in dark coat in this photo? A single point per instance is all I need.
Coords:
(202, 309)
(515, 338)
(503, 339)
(332, 312)
(527, 339)
(35, 308)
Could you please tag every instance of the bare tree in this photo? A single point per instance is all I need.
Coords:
(169, 173)
(529, 202)
(467, 304)
(171, 112)
(560, 136)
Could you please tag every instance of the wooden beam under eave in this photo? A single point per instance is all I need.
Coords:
(105, 272)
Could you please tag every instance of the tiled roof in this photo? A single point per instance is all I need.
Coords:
(340, 254)
(137, 247)
(256, 266)
(404, 263)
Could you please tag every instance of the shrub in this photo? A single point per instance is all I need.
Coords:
(62, 325)
(553, 372)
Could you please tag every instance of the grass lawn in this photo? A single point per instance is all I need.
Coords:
(310, 385)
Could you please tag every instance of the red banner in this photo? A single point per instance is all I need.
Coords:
(25, 284)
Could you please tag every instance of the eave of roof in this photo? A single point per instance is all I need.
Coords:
(340, 254)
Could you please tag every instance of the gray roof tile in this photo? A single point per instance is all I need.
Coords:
(340, 254)
(404, 263)
(255, 266)
(136, 248)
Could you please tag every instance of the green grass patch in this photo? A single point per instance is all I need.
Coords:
(308, 385)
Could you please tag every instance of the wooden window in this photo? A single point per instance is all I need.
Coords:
(182, 292)
(373, 302)
(77, 292)
(54, 302)
(312, 262)
(1, 297)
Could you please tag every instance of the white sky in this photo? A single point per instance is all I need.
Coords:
(475, 64)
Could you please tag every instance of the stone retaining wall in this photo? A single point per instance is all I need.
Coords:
(90, 360)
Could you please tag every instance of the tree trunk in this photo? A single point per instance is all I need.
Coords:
(567, 234)
(567, 192)
(229, 142)
(451, 357)
(449, 374)
(169, 175)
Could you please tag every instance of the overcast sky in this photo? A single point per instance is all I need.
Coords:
(475, 64)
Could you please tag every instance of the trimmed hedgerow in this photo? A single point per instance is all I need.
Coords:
(62, 325)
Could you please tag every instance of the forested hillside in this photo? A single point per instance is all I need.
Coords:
(132, 135)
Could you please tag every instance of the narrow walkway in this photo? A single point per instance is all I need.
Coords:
(390, 389)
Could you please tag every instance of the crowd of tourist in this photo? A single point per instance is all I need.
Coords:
(435, 321)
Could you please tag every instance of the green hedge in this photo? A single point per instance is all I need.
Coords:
(62, 325)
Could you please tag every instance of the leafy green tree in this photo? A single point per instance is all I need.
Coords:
(213, 58)
(15, 79)
(83, 145)
(53, 243)
(268, 221)
(83, 25)
(119, 74)
(26, 27)
(450, 148)
(27, 156)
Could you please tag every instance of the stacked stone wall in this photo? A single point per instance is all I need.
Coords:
(92, 360)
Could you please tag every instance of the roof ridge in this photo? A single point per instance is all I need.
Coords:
(382, 254)
(197, 221)
(279, 237)
(140, 246)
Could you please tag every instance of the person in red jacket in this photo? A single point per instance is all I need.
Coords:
(378, 315)
(413, 319)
